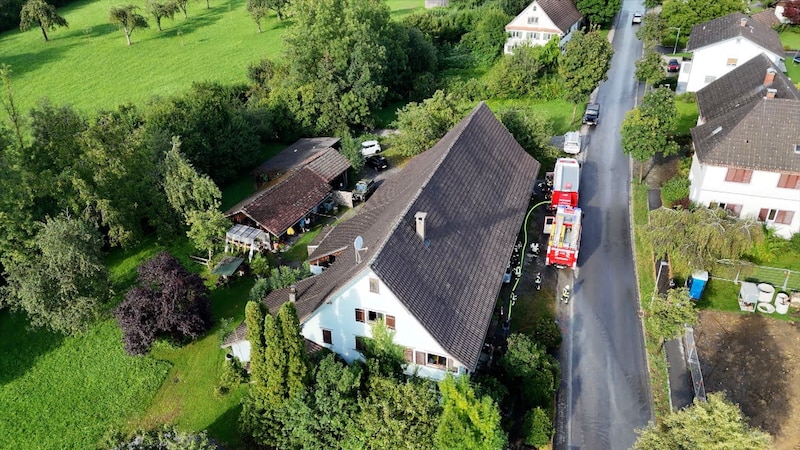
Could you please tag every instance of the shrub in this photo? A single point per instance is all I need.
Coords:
(537, 427)
(259, 265)
(546, 332)
(233, 374)
(674, 190)
(168, 302)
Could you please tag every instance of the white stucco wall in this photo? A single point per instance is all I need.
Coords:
(779, 14)
(532, 33)
(708, 185)
(339, 316)
(241, 350)
(713, 60)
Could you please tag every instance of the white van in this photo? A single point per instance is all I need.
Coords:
(572, 142)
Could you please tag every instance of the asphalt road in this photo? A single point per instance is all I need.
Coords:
(604, 393)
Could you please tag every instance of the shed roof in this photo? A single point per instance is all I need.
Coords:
(474, 185)
(281, 205)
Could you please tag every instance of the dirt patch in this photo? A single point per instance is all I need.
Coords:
(657, 170)
(755, 360)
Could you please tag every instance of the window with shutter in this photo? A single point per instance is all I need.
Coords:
(420, 358)
(390, 322)
(359, 315)
(327, 337)
(789, 181)
(360, 344)
(738, 175)
(408, 355)
(762, 214)
(784, 217)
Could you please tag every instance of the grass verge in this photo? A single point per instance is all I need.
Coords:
(58, 392)
(657, 362)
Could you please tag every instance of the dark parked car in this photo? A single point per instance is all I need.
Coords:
(592, 114)
(796, 59)
(673, 66)
(377, 162)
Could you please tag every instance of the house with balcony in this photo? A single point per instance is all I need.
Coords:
(426, 254)
(540, 21)
(723, 44)
(747, 146)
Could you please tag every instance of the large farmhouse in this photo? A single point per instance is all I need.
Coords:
(426, 254)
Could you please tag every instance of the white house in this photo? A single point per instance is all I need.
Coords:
(780, 5)
(540, 21)
(721, 45)
(426, 254)
(747, 146)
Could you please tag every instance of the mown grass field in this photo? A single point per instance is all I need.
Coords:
(90, 66)
(60, 393)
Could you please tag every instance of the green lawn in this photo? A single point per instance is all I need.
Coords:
(687, 116)
(90, 66)
(790, 38)
(60, 393)
(559, 112)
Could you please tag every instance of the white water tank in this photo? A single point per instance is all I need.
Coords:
(782, 303)
(765, 293)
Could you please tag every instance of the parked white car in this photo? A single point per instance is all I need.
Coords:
(572, 142)
(369, 148)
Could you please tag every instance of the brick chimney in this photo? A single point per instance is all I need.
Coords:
(419, 218)
(743, 21)
(769, 77)
(771, 93)
(292, 293)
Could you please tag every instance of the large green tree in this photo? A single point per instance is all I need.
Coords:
(669, 313)
(651, 30)
(487, 38)
(337, 59)
(648, 129)
(519, 75)
(63, 283)
(685, 14)
(714, 424)
(116, 176)
(420, 125)
(533, 371)
(468, 421)
(128, 19)
(701, 236)
(532, 131)
(188, 191)
(258, 10)
(584, 64)
(40, 13)
(599, 12)
(279, 6)
(650, 68)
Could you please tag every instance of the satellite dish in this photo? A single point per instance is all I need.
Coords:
(358, 244)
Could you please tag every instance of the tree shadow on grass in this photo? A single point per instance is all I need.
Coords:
(226, 427)
(94, 31)
(30, 61)
(21, 347)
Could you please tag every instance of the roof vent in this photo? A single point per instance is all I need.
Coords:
(716, 130)
(771, 93)
(743, 21)
(419, 218)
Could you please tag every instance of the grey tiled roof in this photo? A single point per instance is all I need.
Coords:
(563, 13)
(741, 86)
(729, 27)
(297, 154)
(475, 185)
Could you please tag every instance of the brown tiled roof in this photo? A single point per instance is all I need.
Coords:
(742, 86)
(281, 205)
(475, 185)
(729, 27)
(745, 130)
(767, 17)
(563, 13)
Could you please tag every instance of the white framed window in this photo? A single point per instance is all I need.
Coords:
(710, 78)
(533, 20)
(775, 216)
(374, 285)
